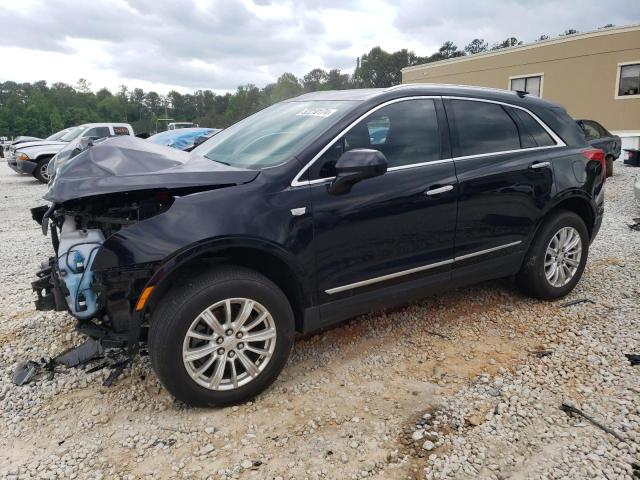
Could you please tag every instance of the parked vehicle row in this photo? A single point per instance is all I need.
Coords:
(32, 157)
(311, 211)
(29, 155)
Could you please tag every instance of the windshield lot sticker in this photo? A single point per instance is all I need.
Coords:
(317, 112)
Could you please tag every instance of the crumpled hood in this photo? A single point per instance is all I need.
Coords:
(123, 164)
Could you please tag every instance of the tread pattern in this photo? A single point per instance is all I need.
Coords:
(167, 316)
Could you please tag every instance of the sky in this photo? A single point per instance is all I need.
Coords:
(213, 44)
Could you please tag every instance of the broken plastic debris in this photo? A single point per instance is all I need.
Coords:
(570, 410)
(575, 302)
(24, 372)
(634, 358)
(543, 353)
(84, 352)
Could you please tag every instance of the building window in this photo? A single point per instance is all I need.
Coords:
(532, 84)
(628, 79)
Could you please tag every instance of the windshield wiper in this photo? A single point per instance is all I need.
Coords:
(220, 161)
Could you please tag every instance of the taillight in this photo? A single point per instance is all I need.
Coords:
(597, 155)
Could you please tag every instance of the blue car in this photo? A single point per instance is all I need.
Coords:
(184, 138)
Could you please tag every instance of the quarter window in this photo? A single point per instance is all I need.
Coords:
(482, 127)
(532, 134)
(532, 85)
(629, 83)
(406, 132)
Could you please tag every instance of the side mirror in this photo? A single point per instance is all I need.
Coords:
(356, 165)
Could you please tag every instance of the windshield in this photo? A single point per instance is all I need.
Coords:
(71, 134)
(273, 135)
(57, 135)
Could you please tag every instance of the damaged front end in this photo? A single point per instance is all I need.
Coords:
(104, 199)
(102, 300)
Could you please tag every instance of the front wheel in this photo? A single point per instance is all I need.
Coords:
(221, 338)
(41, 173)
(557, 257)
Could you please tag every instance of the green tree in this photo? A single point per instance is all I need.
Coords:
(509, 42)
(55, 121)
(287, 86)
(477, 45)
(316, 79)
(382, 69)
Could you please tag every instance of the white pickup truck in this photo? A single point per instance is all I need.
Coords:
(33, 157)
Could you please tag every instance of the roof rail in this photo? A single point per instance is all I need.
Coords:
(424, 84)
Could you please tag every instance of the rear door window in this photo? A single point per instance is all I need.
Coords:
(481, 127)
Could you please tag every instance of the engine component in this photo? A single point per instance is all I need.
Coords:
(76, 252)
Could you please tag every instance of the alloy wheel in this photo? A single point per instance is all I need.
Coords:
(562, 257)
(229, 344)
(44, 173)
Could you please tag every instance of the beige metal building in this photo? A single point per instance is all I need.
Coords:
(594, 75)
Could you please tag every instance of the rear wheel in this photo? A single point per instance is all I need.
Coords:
(222, 338)
(40, 172)
(609, 165)
(557, 257)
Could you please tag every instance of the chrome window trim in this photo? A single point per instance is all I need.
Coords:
(504, 152)
(430, 266)
(556, 138)
(296, 182)
(392, 169)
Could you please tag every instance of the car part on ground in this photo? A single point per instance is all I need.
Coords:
(294, 219)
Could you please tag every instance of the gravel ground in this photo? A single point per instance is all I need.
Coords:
(450, 387)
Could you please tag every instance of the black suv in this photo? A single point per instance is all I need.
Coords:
(309, 212)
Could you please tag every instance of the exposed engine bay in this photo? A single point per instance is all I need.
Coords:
(78, 230)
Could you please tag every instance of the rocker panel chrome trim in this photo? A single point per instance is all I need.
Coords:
(430, 266)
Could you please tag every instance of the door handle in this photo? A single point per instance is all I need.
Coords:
(436, 191)
(537, 165)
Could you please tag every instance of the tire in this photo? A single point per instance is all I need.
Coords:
(41, 170)
(532, 278)
(183, 307)
(609, 164)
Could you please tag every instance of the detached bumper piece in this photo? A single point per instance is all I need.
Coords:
(49, 289)
(91, 351)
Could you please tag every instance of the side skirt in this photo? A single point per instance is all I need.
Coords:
(388, 296)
